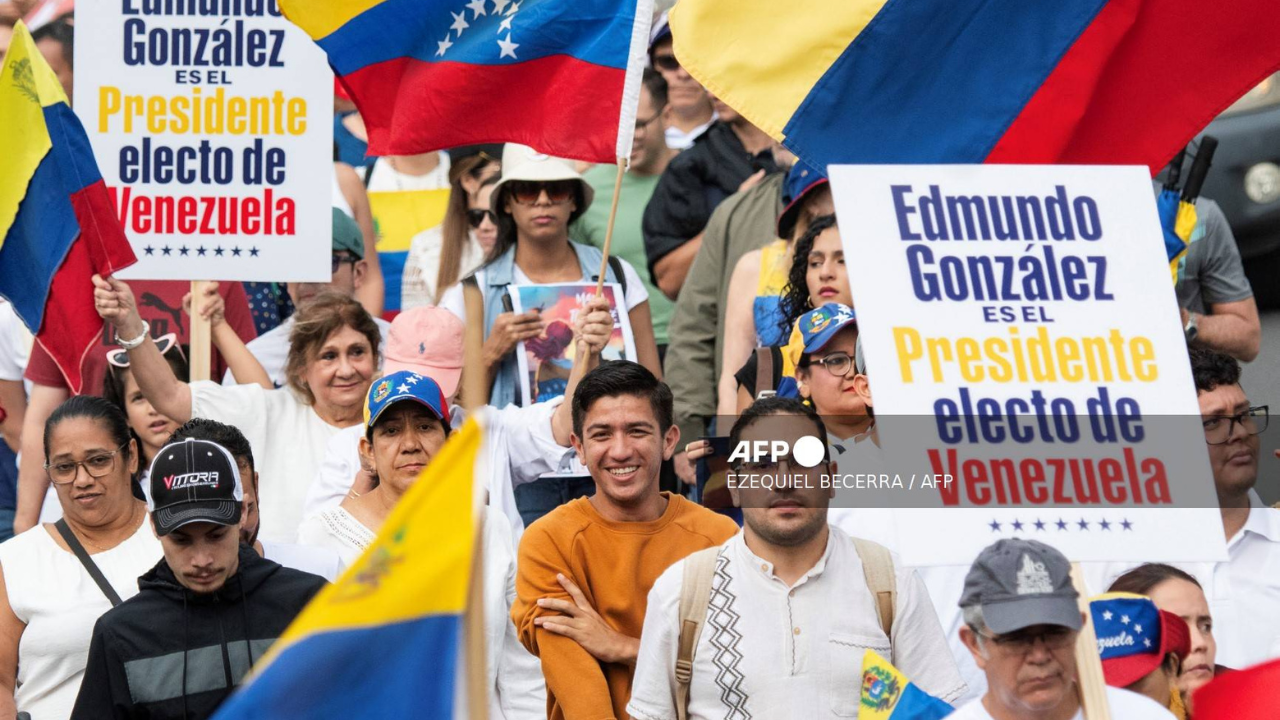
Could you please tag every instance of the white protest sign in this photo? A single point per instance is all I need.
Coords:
(212, 123)
(1026, 360)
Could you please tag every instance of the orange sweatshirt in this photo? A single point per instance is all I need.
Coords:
(615, 564)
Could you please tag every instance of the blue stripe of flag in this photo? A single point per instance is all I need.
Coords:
(935, 82)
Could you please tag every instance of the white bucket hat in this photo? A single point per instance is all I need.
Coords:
(521, 162)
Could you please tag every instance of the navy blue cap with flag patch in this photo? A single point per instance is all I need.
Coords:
(401, 386)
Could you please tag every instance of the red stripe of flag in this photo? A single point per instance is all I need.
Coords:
(1142, 80)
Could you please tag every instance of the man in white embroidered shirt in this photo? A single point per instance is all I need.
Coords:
(790, 611)
(1022, 616)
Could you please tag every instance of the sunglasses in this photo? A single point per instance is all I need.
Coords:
(120, 358)
(527, 193)
(666, 63)
(475, 218)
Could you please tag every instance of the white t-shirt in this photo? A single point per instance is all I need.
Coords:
(422, 266)
(15, 344)
(386, 178)
(53, 595)
(1125, 705)
(271, 350)
(453, 302)
(307, 558)
(337, 530)
(288, 440)
(772, 651)
(519, 442)
(678, 139)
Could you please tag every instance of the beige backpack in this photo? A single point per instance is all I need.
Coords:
(695, 596)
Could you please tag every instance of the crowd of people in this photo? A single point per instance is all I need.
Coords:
(160, 531)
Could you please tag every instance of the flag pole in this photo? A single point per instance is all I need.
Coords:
(474, 398)
(200, 339)
(608, 233)
(1091, 682)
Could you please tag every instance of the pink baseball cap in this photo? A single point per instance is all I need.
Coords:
(428, 341)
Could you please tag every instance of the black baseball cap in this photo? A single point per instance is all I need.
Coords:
(193, 481)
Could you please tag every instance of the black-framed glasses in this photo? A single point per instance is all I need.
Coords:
(119, 357)
(527, 193)
(1055, 638)
(642, 125)
(666, 63)
(475, 218)
(64, 472)
(838, 364)
(1218, 429)
(783, 466)
(338, 261)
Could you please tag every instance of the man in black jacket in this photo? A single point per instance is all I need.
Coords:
(204, 614)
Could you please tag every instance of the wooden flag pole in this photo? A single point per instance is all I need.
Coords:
(474, 398)
(200, 338)
(608, 233)
(1091, 682)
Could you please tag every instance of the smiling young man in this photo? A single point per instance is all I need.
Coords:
(1022, 617)
(204, 614)
(790, 604)
(586, 567)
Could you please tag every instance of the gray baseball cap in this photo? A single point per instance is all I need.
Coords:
(1020, 583)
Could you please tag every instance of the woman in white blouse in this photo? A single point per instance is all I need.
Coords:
(48, 601)
(333, 355)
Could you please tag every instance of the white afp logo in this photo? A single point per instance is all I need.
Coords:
(807, 451)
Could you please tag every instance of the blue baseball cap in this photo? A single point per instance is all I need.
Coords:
(817, 327)
(402, 386)
(801, 180)
(661, 30)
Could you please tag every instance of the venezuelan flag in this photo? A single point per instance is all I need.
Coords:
(888, 695)
(563, 77)
(970, 81)
(385, 640)
(57, 226)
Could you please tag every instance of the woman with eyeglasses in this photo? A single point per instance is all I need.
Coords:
(536, 199)
(333, 356)
(50, 602)
(440, 256)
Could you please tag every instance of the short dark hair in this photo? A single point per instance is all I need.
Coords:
(61, 32)
(765, 407)
(1211, 369)
(225, 435)
(622, 377)
(93, 408)
(657, 86)
(1143, 578)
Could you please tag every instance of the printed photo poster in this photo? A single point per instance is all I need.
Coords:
(1027, 363)
(545, 361)
(212, 123)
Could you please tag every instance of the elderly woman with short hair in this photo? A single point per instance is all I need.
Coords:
(333, 356)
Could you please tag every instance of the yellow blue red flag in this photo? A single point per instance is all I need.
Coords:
(385, 640)
(971, 81)
(57, 225)
(888, 695)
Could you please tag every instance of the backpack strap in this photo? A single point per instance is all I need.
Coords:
(764, 372)
(695, 596)
(615, 264)
(877, 566)
(90, 566)
(368, 171)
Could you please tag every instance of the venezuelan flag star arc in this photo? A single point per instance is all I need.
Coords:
(396, 614)
(971, 81)
(431, 74)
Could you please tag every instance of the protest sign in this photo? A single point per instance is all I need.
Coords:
(212, 124)
(545, 361)
(1026, 361)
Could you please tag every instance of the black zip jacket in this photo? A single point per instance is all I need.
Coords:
(137, 666)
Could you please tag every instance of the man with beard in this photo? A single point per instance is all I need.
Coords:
(793, 603)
